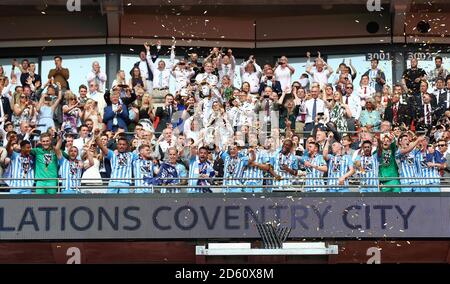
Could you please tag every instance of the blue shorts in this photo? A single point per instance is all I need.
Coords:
(148, 189)
(232, 190)
(253, 187)
(369, 189)
(338, 189)
(69, 192)
(20, 191)
(112, 188)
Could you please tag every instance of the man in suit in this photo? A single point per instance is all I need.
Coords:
(116, 114)
(144, 65)
(426, 113)
(165, 113)
(442, 96)
(398, 113)
(128, 99)
(271, 82)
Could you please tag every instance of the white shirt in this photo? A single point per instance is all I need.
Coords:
(365, 92)
(143, 68)
(161, 77)
(211, 79)
(182, 77)
(252, 78)
(79, 143)
(320, 77)
(164, 145)
(320, 107)
(100, 99)
(99, 78)
(283, 74)
(354, 103)
(227, 69)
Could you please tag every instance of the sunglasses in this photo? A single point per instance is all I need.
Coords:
(442, 145)
(23, 97)
(349, 87)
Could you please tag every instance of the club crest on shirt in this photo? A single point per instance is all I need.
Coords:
(47, 159)
(122, 160)
(145, 167)
(387, 158)
(26, 164)
(337, 165)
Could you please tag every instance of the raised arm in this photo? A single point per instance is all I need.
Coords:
(57, 147)
(58, 99)
(412, 145)
(102, 147)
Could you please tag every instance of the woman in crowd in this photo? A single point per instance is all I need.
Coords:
(90, 111)
(71, 113)
(23, 111)
(136, 80)
(339, 112)
(46, 109)
(146, 108)
(370, 118)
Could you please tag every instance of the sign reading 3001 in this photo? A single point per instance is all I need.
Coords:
(382, 56)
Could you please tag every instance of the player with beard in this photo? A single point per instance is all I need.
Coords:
(285, 164)
(121, 164)
(70, 167)
(315, 167)
(367, 163)
(22, 167)
(143, 168)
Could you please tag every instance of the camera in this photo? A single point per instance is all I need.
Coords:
(269, 77)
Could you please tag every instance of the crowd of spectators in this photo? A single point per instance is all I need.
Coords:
(318, 132)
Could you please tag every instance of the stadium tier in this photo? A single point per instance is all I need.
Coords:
(201, 133)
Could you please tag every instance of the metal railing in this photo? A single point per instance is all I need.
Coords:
(222, 185)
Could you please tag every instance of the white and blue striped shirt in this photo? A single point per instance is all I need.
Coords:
(142, 168)
(22, 171)
(280, 159)
(233, 169)
(338, 166)
(122, 166)
(407, 167)
(314, 177)
(431, 173)
(70, 172)
(196, 168)
(254, 175)
(369, 175)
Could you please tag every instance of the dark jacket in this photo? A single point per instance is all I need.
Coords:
(122, 118)
(150, 73)
(126, 100)
(276, 87)
(405, 114)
